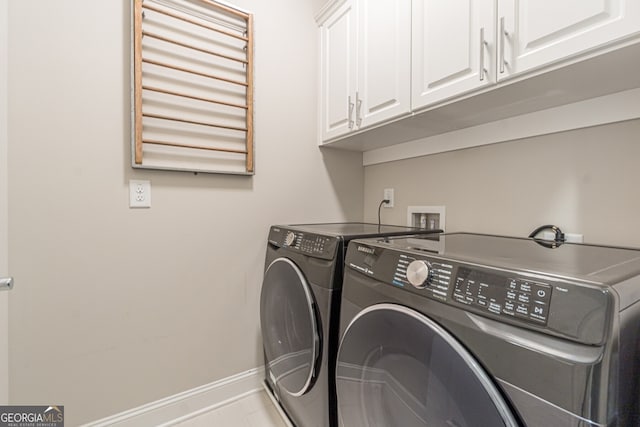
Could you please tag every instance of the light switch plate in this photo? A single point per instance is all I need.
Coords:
(139, 193)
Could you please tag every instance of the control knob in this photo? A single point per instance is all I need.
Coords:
(290, 238)
(419, 273)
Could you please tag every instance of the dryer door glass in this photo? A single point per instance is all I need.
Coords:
(396, 367)
(290, 328)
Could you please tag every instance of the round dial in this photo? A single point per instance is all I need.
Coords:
(290, 238)
(418, 273)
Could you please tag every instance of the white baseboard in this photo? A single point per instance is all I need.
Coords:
(188, 404)
(283, 415)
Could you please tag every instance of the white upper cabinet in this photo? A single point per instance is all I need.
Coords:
(384, 60)
(365, 65)
(338, 73)
(535, 33)
(455, 49)
(395, 71)
(452, 48)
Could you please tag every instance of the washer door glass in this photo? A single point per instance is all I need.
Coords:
(396, 367)
(290, 328)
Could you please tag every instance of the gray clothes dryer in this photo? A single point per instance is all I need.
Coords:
(475, 330)
(299, 311)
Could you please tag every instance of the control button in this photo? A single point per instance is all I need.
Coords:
(511, 295)
(522, 309)
(539, 311)
(523, 298)
(418, 273)
(542, 292)
(525, 287)
(495, 308)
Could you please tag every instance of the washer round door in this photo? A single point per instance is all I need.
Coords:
(290, 328)
(397, 367)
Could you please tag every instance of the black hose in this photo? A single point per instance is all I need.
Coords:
(558, 240)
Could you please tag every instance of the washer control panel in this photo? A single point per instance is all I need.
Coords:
(306, 243)
(511, 296)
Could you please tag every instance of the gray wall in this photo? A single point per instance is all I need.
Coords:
(585, 181)
(115, 307)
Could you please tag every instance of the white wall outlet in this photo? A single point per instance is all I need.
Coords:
(139, 193)
(388, 195)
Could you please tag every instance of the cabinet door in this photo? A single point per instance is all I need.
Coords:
(540, 32)
(384, 60)
(338, 72)
(453, 47)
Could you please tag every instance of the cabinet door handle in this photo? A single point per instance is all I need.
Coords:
(358, 110)
(503, 39)
(6, 283)
(483, 45)
(350, 112)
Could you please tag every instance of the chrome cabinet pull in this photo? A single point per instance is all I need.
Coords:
(358, 110)
(483, 44)
(6, 283)
(350, 112)
(503, 36)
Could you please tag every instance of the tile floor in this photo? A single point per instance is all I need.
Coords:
(253, 410)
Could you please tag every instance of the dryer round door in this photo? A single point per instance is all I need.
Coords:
(290, 328)
(397, 367)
